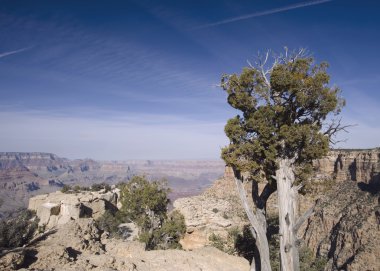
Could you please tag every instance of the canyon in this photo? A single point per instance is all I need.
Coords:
(344, 230)
(23, 175)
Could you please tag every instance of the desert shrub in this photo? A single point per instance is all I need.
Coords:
(172, 230)
(66, 188)
(18, 228)
(217, 241)
(146, 204)
(235, 242)
(215, 210)
(99, 186)
(109, 222)
(309, 262)
(77, 188)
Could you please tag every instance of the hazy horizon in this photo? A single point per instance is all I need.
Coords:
(126, 80)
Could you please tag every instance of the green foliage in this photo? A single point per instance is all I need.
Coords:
(237, 242)
(217, 241)
(308, 261)
(77, 188)
(168, 236)
(282, 115)
(146, 204)
(17, 229)
(109, 222)
(66, 188)
(97, 187)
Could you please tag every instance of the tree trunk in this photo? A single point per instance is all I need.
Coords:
(258, 229)
(287, 204)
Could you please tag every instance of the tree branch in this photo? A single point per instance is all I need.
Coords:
(304, 217)
(335, 127)
(265, 194)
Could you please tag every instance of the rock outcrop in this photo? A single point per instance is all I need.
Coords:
(79, 246)
(59, 208)
(346, 228)
(355, 165)
(215, 211)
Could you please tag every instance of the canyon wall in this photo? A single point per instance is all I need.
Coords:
(344, 229)
(355, 165)
(23, 175)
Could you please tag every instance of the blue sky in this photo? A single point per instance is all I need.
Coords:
(137, 79)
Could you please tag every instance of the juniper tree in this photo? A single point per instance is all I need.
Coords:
(284, 102)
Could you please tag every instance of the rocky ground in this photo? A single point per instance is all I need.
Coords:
(79, 245)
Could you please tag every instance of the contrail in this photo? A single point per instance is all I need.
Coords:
(263, 13)
(14, 52)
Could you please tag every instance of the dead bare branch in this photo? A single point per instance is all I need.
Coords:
(304, 217)
(334, 128)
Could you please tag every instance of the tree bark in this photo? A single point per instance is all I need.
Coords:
(287, 204)
(258, 229)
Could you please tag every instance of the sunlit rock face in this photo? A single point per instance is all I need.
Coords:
(346, 228)
(59, 208)
(356, 165)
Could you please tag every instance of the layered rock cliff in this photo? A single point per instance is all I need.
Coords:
(344, 230)
(354, 165)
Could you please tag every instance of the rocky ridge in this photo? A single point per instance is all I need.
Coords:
(79, 245)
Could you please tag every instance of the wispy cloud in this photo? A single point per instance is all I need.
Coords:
(263, 13)
(14, 52)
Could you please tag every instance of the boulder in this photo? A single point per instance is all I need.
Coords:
(59, 208)
(46, 210)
